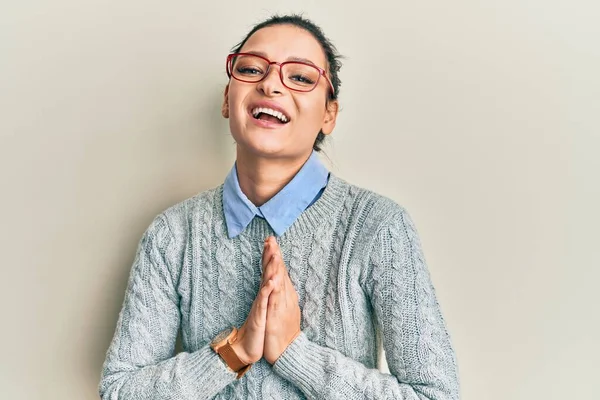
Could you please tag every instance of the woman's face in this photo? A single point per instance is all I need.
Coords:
(307, 112)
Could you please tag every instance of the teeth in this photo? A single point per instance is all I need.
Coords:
(269, 111)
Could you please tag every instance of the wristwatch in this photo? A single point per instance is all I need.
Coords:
(221, 344)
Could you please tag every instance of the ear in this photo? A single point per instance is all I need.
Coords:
(225, 106)
(331, 112)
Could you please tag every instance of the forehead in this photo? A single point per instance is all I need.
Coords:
(282, 42)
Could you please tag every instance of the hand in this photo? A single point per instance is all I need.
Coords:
(251, 335)
(283, 312)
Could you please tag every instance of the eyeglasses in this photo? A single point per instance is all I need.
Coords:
(295, 75)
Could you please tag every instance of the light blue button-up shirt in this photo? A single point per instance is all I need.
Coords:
(284, 208)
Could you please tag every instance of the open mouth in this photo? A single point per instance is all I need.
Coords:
(270, 115)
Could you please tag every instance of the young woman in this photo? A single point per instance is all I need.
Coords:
(283, 279)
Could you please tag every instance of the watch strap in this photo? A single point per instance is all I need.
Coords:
(226, 352)
(231, 359)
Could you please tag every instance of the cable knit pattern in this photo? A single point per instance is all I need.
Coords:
(226, 281)
(296, 269)
(203, 253)
(357, 263)
(315, 287)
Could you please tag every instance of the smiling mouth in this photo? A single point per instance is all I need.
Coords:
(270, 115)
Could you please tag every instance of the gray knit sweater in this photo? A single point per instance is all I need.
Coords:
(356, 262)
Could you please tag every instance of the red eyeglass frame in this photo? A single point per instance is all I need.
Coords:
(322, 72)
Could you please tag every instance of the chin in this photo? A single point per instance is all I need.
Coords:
(259, 142)
(261, 148)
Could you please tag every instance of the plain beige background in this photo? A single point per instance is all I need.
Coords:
(480, 117)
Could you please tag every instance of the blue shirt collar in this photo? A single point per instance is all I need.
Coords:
(280, 211)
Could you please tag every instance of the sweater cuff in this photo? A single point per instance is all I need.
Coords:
(303, 363)
(207, 369)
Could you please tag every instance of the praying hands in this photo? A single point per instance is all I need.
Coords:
(274, 319)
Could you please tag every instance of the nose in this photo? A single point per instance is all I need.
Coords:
(271, 83)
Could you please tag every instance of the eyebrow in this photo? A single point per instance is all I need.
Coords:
(263, 54)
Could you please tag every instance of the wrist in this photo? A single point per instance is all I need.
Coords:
(238, 349)
(224, 346)
(238, 345)
(287, 345)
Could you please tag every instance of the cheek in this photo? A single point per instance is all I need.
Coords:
(237, 93)
(312, 111)
(236, 112)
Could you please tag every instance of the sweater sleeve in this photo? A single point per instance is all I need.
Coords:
(139, 363)
(417, 344)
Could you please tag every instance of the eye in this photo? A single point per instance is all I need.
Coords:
(302, 79)
(249, 71)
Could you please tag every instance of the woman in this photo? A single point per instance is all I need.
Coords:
(284, 278)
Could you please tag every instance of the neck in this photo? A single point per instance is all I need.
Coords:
(262, 178)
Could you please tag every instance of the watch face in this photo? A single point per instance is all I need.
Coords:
(222, 336)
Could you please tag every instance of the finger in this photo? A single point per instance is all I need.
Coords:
(272, 271)
(271, 247)
(258, 312)
(290, 294)
(282, 272)
(262, 301)
(281, 268)
(268, 267)
(278, 271)
(266, 256)
(275, 267)
(276, 297)
(274, 302)
(267, 272)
